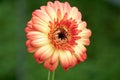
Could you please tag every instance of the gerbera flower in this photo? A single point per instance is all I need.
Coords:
(56, 34)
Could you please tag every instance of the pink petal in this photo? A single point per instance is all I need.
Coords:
(75, 14)
(42, 15)
(41, 28)
(35, 35)
(58, 6)
(30, 47)
(64, 60)
(85, 34)
(40, 42)
(78, 53)
(48, 65)
(29, 27)
(50, 4)
(71, 58)
(36, 19)
(51, 12)
(44, 52)
(54, 57)
(66, 7)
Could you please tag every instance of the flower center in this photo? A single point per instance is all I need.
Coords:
(60, 36)
(63, 34)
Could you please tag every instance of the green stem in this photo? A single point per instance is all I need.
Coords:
(51, 75)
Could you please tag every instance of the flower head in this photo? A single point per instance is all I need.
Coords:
(56, 34)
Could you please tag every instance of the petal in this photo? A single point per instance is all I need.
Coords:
(48, 65)
(59, 9)
(42, 15)
(71, 59)
(50, 11)
(40, 42)
(75, 14)
(41, 28)
(29, 27)
(86, 33)
(78, 17)
(85, 41)
(36, 19)
(82, 25)
(78, 53)
(54, 57)
(50, 4)
(29, 24)
(84, 55)
(30, 47)
(59, 16)
(28, 43)
(44, 52)
(66, 7)
(39, 25)
(81, 46)
(43, 8)
(74, 61)
(35, 35)
(63, 60)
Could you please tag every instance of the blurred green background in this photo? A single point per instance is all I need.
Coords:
(103, 62)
